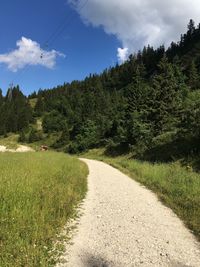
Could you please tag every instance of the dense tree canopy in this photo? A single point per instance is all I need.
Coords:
(16, 113)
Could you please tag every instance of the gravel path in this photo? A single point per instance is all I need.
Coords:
(123, 224)
(20, 149)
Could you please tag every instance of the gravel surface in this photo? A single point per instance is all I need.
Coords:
(20, 148)
(123, 224)
(24, 149)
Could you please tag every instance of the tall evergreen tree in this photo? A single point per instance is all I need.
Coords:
(193, 76)
(39, 107)
(168, 90)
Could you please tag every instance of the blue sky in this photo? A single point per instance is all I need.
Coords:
(96, 34)
(87, 49)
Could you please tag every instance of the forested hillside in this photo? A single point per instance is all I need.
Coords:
(150, 105)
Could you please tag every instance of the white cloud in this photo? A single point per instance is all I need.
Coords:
(140, 22)
(29, 52)
(122, 54)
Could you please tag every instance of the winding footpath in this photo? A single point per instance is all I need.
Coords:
(123, 224)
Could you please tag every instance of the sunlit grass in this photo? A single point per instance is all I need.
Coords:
(38, 194)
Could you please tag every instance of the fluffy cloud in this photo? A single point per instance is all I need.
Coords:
(140, 22)
(122, 54)
(29, 52)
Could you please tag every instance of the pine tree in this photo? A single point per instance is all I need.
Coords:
(138, 129)
(193, 76)
(168, 91)
(135, 92)
(191, 28)
(39, 107)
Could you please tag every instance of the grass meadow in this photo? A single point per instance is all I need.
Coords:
(176, 186)
(38, 194)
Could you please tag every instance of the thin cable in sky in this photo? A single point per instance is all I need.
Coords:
(63, 25)
(53, 37)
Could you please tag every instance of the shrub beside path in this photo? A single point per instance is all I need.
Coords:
(124, 224)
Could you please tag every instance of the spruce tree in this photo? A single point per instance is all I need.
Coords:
(39, 107)
(193, 76)
(168, 91)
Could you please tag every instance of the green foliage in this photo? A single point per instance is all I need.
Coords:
(39, 106)
(16, 113)
(167, 90)
(22, 137)
(190, 120)
(63, 140)
(34, 136)
(38, 194)
(193, 76)
(87, 138)
(53, 121)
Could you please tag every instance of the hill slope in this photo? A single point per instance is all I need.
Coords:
(147, 105)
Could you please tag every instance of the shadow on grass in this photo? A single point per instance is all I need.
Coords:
(117, 150)
(185, 150)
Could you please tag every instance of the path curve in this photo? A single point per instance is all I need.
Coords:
(123, 224)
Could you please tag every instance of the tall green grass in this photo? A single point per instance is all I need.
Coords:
(38, 194)
(176, 186)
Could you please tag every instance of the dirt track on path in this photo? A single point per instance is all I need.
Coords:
(123, 224)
